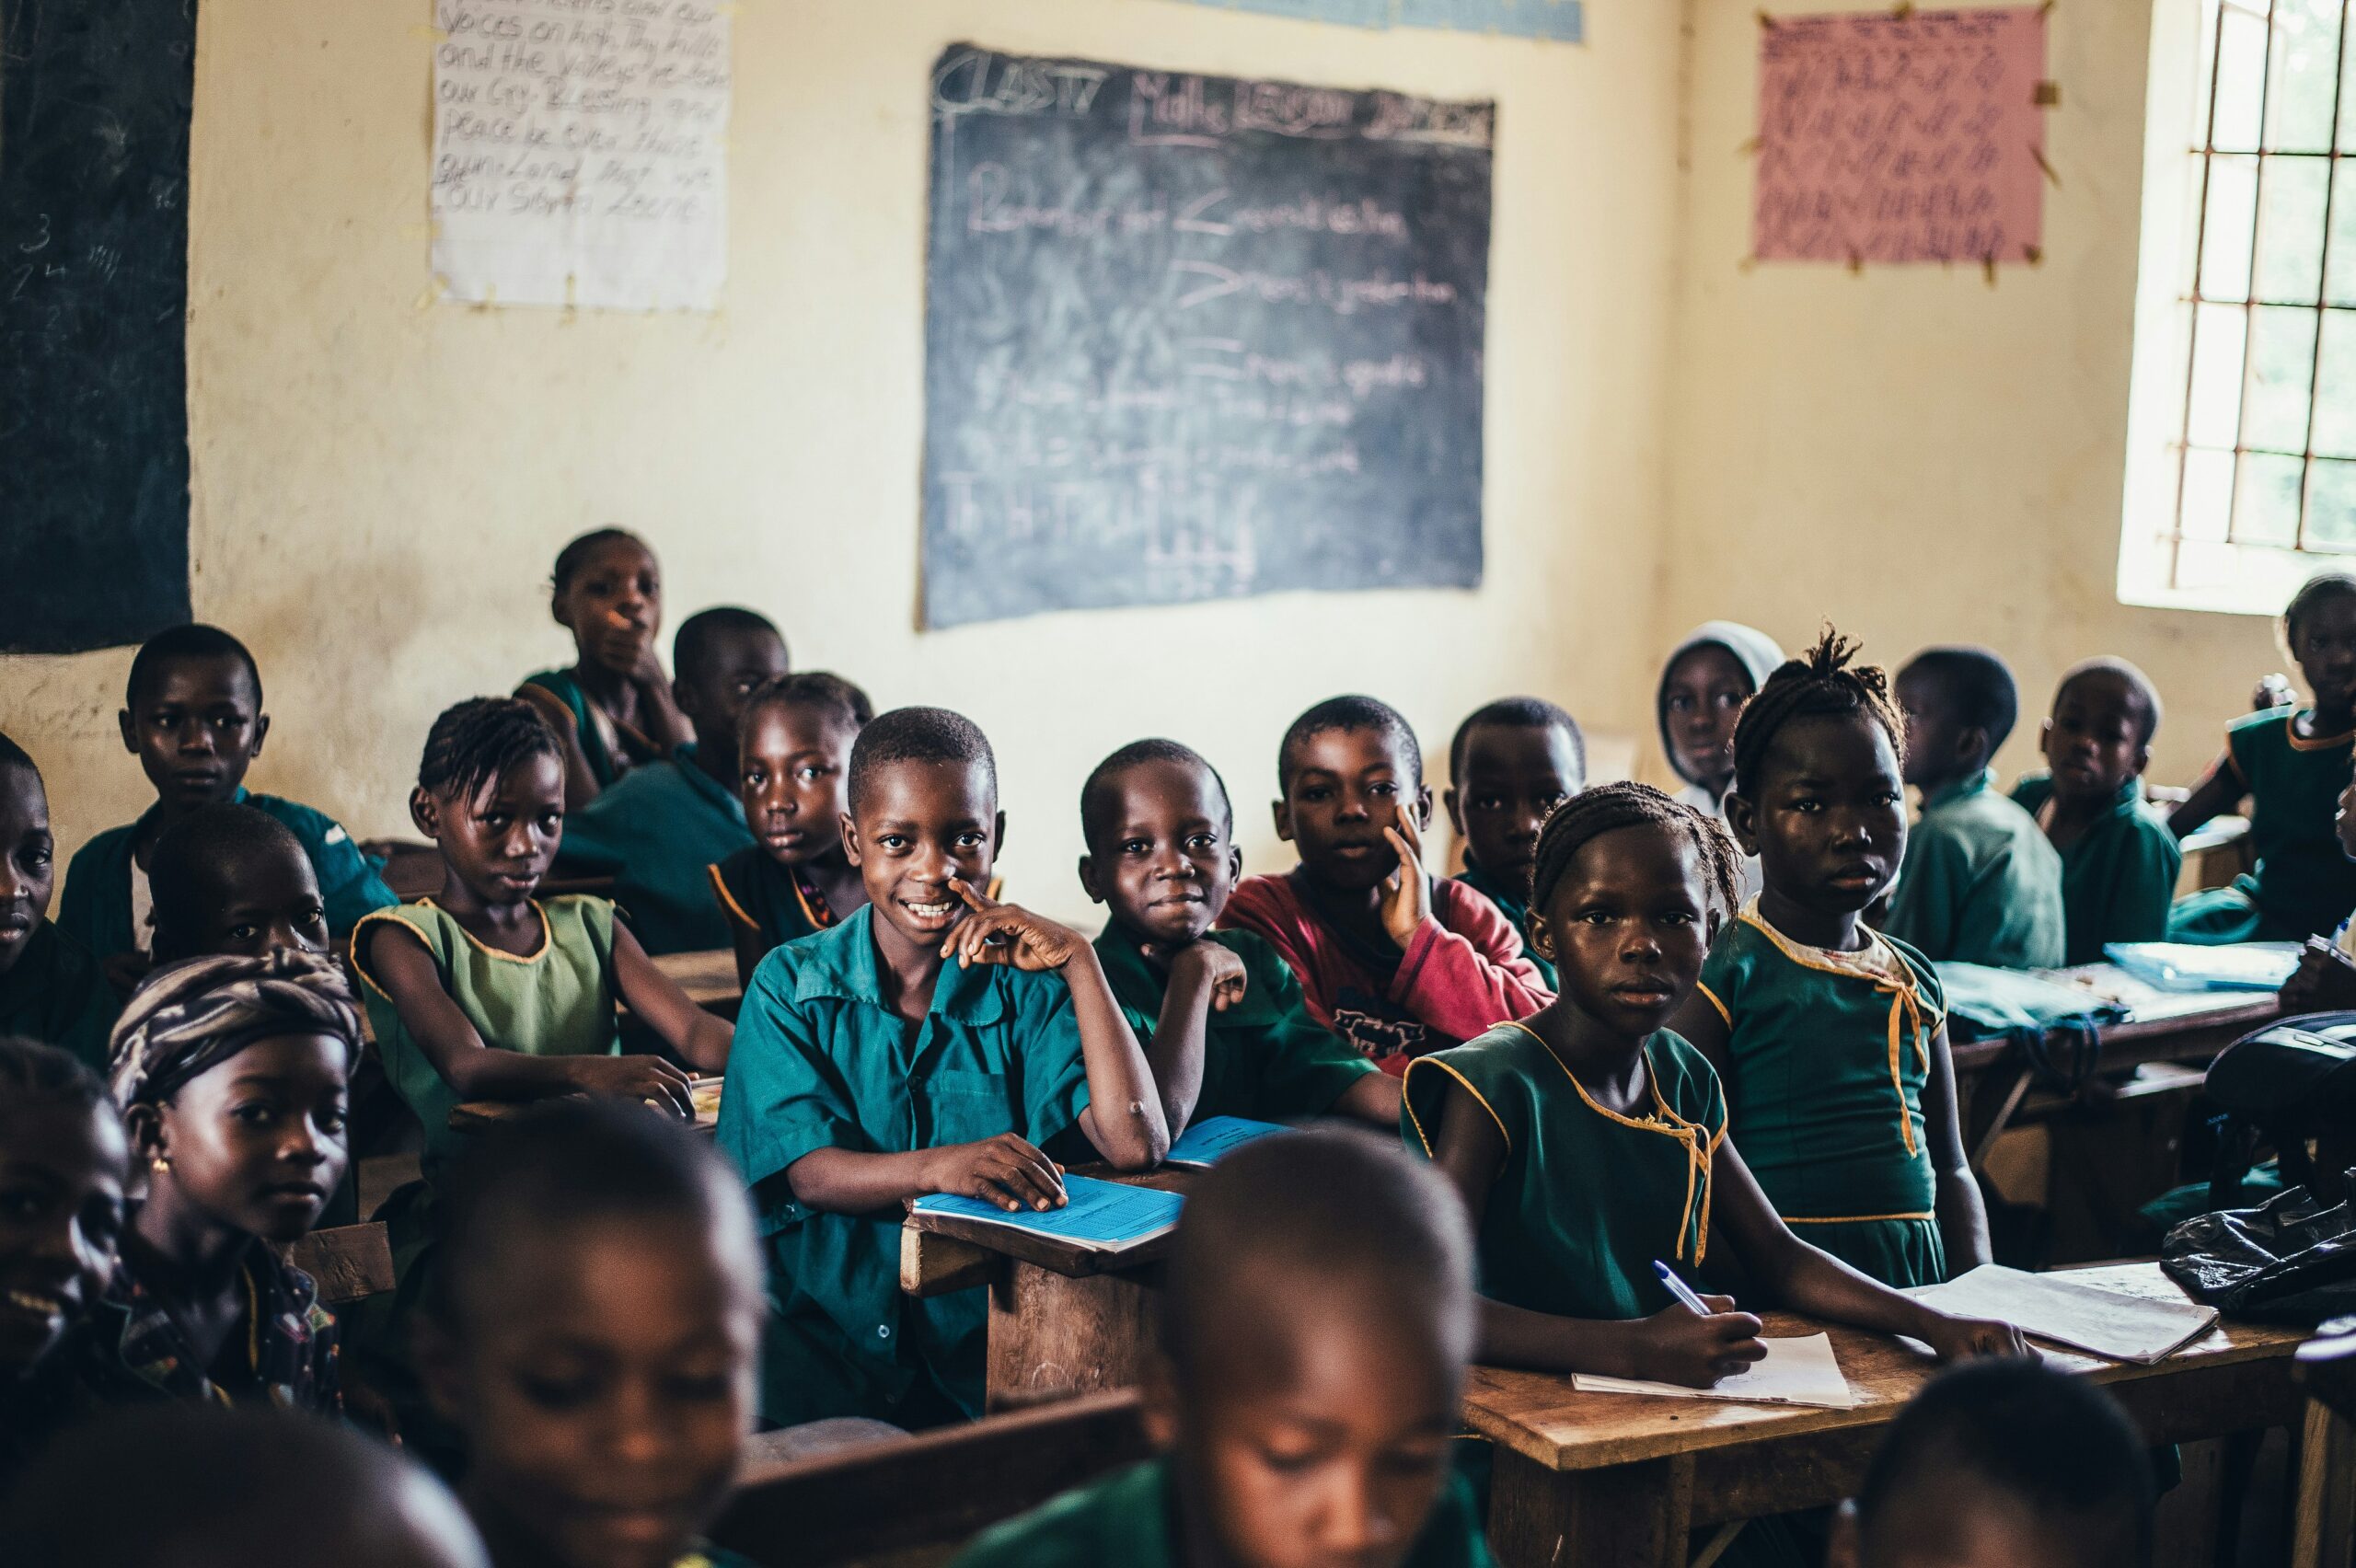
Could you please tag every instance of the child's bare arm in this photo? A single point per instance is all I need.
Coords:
(1371, 1097)
(403, 968)
(579, 783)
(1123, 1117)
(1963, 1214)
(1005, 1171)
(701, 1037)
(1704, 1028)
(1204, 977)
(2219, 791)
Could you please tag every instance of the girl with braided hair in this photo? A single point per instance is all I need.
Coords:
(1593, 1097)
(1829, 1036)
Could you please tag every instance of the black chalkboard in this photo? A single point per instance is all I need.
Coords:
(1194, 337)
(93, 129)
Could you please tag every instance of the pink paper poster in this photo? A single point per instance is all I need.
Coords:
(1915, 138)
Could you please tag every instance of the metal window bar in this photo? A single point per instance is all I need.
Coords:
(2256, 247)
(2323, 278)
(2192, 329)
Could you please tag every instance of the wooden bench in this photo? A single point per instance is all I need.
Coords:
(347, 1262)
(913, 1502)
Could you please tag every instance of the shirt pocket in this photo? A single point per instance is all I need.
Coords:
(967, 1106)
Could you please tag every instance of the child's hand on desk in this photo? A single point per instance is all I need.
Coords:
(1406, 894)
(650, 1079)
(1207, 963)
(1007, 933)
(1006, 1170)
(1679, 1346)
(1963, 1339)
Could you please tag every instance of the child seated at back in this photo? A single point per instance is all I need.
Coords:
(1829, 1037)
(2290, 764)
(50, 986)
(594, 1333)
(1510, 763)
(485, 991)
(1225, 1030)
(1393, 960)
(871, 1069)
(193, 714)
(65, 1167)
(1314, 1336)
(2326, 982)
(661, 826)
(2119, 861)
(612, 708)
(2002, 1464)
(233, 880)
(1707, 679)
(1594, 1095)
(793, 753)
(1980, 884)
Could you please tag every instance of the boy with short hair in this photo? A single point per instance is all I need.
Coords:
(1314, 1337)
(868, 1069)
(1510, 764)
(1394, 960)
(50, 986)
(2002, 1464)
(230, 879)
(193, 714)
(1980, 883)
(661, 825)
(1224, 1027)
(2119, 859)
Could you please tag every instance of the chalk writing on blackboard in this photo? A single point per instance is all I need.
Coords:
(580, 151)
(1191, 338)
(1901, 138)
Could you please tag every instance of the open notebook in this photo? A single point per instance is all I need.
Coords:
(2054, 1307)
(1795, 1372)
(1213, 1139)
(1102, 1216)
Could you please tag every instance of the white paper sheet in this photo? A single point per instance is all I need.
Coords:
(1795, 1372)
(2055, 1306)
(580, 151)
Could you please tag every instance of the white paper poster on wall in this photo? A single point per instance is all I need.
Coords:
(580, 151)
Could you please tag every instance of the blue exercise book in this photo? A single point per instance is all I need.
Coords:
(1208, 1142)
(1102, 1215)
(2185, 966)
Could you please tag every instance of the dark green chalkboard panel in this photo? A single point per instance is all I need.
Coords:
(94, 130)
(1195, 337)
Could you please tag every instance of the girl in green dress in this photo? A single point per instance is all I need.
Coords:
(1593, 1098)
(1829, 1036)
(2291, 765)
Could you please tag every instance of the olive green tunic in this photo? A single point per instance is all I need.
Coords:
(1586, 1199)
(2303, 885)
(1829, 1054)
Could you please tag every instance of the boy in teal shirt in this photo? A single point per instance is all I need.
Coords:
(50, 988)
(2119, 859)
(868, 1070)
(661, 825)
(1225, 1030)
(192, 715)
(1980, 883)
(1314, 1337)
(1511, 763)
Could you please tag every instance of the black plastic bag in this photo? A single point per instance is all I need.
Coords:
(2292, 1261)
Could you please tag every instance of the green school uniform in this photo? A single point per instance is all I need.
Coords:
(2305, 885)
(659, 828)
(771, 901)
(2117, 878)
(1981, 883)
(1130, 1519)
(1513, 902)
(1829, 1054)
(57, 995)
(1587, 1198)
(1265, 1057)
(609, 756)
(96, 908)
(821, 1061)
(557, 1002)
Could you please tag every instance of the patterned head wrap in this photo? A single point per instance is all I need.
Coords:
(191, 1017)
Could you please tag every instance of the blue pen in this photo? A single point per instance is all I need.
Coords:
(1679, 1288)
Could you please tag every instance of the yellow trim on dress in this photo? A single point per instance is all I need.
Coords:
(1418, 1123)
(1712, 998)
(728, 900)
(2318, 743)
(1852, 1218)
(392, 916)
(1701, 1143)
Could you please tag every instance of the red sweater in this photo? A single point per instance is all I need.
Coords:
(1463, 972)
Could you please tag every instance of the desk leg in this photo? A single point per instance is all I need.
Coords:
(1627, 1516)
(2325, 1522)
(1052, 1337)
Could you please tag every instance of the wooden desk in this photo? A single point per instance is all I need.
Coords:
(480, 1115)
(1064, 1320)
(1621, 1478)
(709, 978)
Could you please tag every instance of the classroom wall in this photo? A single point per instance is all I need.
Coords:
(380, 483)
(1918, 456)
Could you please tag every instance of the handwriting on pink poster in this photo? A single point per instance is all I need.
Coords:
(1915, 138)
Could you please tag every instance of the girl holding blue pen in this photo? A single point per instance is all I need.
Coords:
(1590, 1141)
